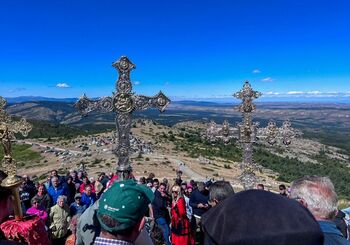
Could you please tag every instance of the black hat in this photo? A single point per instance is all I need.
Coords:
(260, 217)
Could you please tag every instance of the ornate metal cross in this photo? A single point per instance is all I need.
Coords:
(8, 129)
(123, 103)
(247, 132)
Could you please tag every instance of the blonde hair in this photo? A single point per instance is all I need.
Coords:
(176, 188)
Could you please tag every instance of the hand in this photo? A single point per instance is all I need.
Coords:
(200, 205)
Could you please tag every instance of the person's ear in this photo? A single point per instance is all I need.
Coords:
(302, 202)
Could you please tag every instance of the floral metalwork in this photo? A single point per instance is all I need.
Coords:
(8, 129)
(123, 102)
(248, 132)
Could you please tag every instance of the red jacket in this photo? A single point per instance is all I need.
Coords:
(82, 187)
(180, 219)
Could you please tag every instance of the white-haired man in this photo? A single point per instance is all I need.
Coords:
(318, 195)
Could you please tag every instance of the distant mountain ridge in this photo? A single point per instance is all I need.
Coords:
(200, 102)
(62, 111)
(21, 99)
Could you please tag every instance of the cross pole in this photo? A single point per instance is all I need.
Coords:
(8, 129)
(248, 132)
(123, 102)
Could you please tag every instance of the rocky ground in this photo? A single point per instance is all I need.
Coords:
(96, 154)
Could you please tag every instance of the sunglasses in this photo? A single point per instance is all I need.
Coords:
(175, 192)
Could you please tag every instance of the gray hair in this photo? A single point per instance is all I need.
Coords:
(53, 178)
(62, 197)
(220, 190)
(319, 195)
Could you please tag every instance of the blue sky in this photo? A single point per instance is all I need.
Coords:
(187, 49)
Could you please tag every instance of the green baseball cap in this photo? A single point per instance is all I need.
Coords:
(126, 202)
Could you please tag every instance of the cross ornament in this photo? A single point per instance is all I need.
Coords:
(123, 102)
(248, 132)
(8, 129)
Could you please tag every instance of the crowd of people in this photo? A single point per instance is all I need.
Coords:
(78, 209)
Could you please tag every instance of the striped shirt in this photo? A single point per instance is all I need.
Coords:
(107, 241)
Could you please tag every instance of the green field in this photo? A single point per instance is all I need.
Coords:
(23, 155)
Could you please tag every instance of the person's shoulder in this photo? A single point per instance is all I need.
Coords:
(5, 242)
(54, 208)
(157, 193)
(332, 238)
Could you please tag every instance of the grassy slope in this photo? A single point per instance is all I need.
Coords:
(23, 154)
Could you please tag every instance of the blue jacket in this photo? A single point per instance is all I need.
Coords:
(75, 209)
(332, 236)
(88, 200)
(56, 192)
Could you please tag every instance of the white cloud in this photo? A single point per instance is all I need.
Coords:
(256, 71)
(15, 90)
(62, 85)
(314, 92)
(295, 92)
(272, 93)
(306, 94)
(137, 83)
(267, 79)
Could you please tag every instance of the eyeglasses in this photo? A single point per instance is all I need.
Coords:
(175, 192)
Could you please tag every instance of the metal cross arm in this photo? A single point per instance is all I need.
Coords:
(272, 133)
(123, 102)
(220, 132)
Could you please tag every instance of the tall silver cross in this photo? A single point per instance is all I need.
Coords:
(8, 129)
(248, 132)
(123, 102)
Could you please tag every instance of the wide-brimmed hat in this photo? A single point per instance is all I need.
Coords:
(259, 217)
